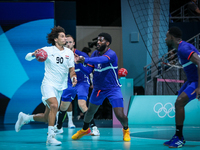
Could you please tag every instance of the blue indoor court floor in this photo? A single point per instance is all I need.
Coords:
(143, 137)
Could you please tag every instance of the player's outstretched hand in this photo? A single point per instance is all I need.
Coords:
(34, 53)
(78, 59)
(74, 81)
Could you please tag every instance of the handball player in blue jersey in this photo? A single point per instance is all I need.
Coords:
(104, 65)
(81, 90)
(189, 58)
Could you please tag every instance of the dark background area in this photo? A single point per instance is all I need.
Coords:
(100, 13)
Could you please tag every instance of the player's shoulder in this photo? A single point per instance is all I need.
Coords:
(69, 51)
(110, 52)
(95, 53)
(184, 45)
(47, 47)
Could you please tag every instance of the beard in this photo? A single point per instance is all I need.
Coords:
(101, 48)
(169, 44)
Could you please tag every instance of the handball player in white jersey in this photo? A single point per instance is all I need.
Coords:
(59, 63)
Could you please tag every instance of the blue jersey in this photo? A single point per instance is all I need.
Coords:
(105, 69)
(81, 77)
(185, 51)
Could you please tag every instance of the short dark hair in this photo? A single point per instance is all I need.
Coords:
(176, 32)
(54, 34)
(106, 36)
(86, 50)
(68, 35)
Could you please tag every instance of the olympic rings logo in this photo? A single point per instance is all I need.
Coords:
(168, 109)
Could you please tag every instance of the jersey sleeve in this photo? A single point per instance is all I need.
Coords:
(81, 53)
(186, 52)
(71, 60)
(29, 57)
(105, 58)
(48, 50)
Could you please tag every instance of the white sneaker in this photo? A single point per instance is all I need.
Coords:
(95, 131)
(52, 141)
(22, 119)
(58, 131)
(71, 125)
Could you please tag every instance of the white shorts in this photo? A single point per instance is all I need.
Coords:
(49, 91)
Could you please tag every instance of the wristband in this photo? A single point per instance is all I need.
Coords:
(74, 77)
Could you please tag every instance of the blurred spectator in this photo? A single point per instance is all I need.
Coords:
(87, 50)
(193, 11)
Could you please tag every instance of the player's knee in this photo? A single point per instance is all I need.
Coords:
(54, 106)
(82, 105)
(64, 106)
(179, 103)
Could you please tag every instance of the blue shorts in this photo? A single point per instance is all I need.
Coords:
(81, 89)
(188, 88)
(114, 96)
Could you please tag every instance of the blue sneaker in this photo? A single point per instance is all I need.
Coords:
(174, 138)
(177, 143)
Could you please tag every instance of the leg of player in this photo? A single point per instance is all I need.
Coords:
(53, 104)
(48, 116)
(87, 119)
(70, 117)
(177, 140)
(119, 113)
(61, 117)
(83, 107)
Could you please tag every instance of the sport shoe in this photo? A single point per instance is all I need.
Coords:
(52, 141)
(126, 135)
(177, 143)
(80, 133)
(71, 125)
(22, 119)
(167, 143)
(58, 131)
(95, 131)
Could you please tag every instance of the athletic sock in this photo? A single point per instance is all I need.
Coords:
(50, 130)
(179, 131)
(125, 128)
(30, 117)
(69, 114)
(85, 126)
(61, 118)
(92, 123)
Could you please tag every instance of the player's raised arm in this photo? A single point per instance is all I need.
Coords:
(102, 59)
(31, 56)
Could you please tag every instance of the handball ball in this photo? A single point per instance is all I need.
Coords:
(41, 55)
(122, 72)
